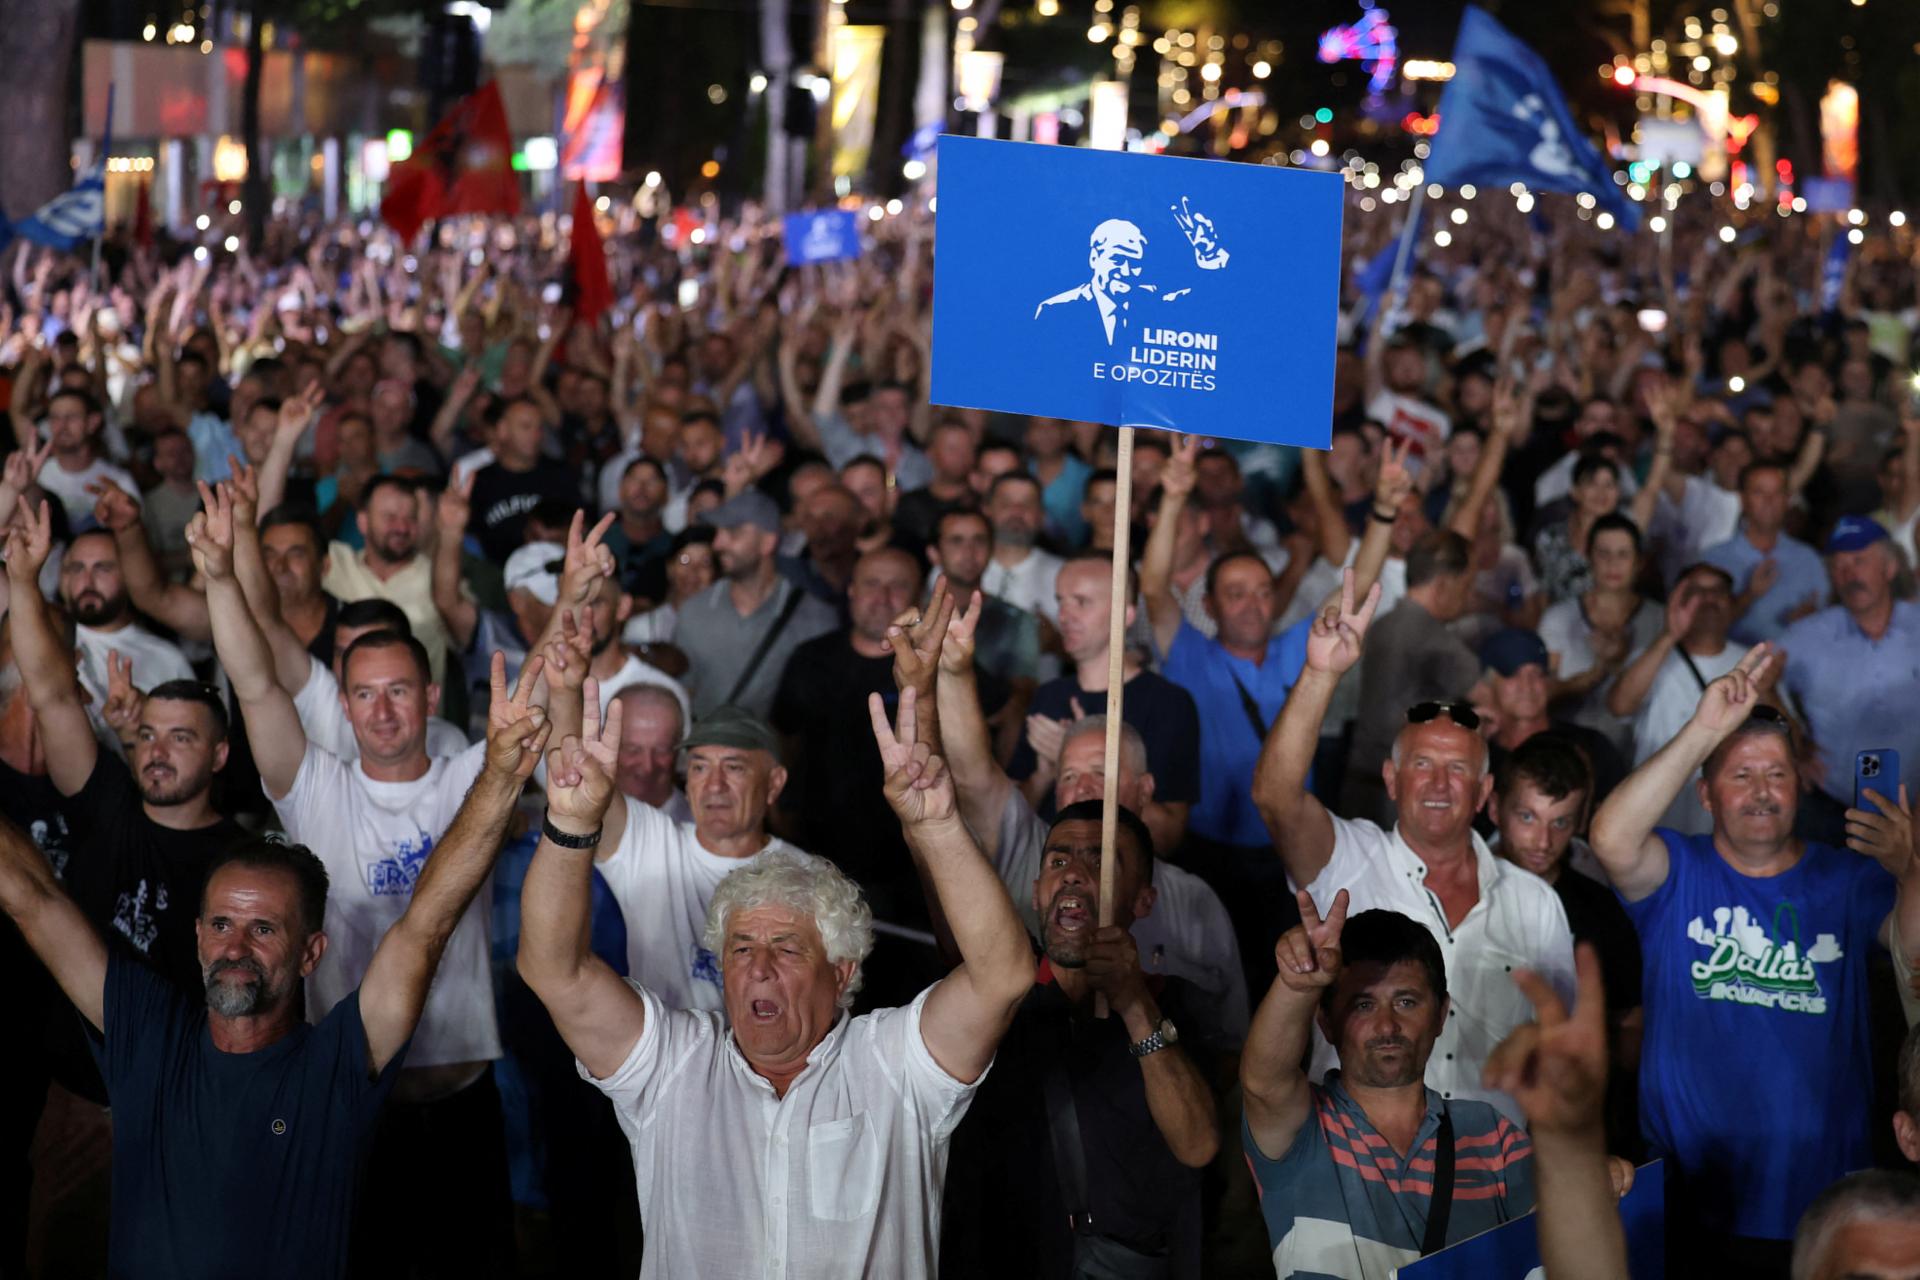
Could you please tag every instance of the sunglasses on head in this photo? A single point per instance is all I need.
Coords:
(1460, 713)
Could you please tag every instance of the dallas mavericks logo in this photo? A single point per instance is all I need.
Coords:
(1117, 257)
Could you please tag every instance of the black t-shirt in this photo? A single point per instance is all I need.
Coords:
(1161, 710)
(232, 1164)
(1609, 767)
(834, 783)
(29, 998)
(916, 516)
(1006, 1213)
(502, 499)
(1595, 915)
(136, 881)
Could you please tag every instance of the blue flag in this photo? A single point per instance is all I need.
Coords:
(73, 217)
(821, 235)
(1504, 120)
(1833, 272)
(1136, 290)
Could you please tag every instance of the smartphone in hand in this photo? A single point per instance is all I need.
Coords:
(1878, 771)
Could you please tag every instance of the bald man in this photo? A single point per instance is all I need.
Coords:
(821, 714)
(651, 727)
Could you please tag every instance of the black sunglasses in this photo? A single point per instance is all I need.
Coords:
(1460, 713)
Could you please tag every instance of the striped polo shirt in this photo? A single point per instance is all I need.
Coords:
(1341, 1204)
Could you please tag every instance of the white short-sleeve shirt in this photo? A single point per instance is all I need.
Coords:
(1517, 923)
(662, 878)
(1027, 585)
(840, 1178)
(632, 672)
(325, 721)
(375, 838)
(155, 661)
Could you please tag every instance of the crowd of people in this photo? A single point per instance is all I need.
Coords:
(490, 792)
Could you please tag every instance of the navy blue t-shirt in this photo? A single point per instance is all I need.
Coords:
(1161, 710)
(232, 1164)
(1756, 1079)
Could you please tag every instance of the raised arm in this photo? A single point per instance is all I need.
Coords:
(1623, 836)
(1556, 1069)
(596, 1012)
(1390, 490)
(1631, 689)
(1156, 564)
(45, 664)
(1512, 409)
(296, 413)
(1331, 534)
(465, 383)
(1302, 832)
(982, 785)
(1277, 1097)
(179, 606)
(455, 508)
(1641, 509)
(273, 727)
(395, 989)
(292, 662)
(52, 924)
(971, 1008)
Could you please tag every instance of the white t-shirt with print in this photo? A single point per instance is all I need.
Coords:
(662, 878)
(374, 839)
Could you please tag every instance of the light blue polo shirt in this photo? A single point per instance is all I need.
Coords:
(1229, 744)
(1858, 694)
(1801, 575)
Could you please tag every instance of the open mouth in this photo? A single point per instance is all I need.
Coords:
(764, 1010)
(1071, 914)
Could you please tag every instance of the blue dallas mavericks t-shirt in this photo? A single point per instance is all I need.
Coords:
(1756, 1079)
(232, 1164)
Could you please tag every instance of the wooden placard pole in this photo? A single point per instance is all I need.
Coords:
(1116, 678)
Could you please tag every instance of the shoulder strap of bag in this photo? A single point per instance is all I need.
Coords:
(794, 595)
(1251, 707)
(1688, 659)
(1442, 1207)
(1069, 1157)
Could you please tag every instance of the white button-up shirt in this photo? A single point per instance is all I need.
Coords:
(841, 1177)
(1517, 923)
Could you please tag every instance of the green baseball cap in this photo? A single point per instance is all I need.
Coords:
(734, 727)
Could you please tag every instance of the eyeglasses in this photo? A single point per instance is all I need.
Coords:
(1460, 713)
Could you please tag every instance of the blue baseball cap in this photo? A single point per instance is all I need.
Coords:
(1854, 533)
(1512, 648)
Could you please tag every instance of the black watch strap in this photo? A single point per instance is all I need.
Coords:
(567, 840)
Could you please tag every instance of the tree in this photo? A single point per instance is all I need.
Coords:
(37, 47)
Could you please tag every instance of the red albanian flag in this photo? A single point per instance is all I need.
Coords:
(464, 166)
(587, 259)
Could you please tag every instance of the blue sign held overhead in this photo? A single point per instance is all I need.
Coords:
(1511, 1251)
(821, 235)
(1136, 290)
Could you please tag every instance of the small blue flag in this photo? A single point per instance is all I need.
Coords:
(74, 217)
(1504, 120)
(1833, 272)
(821, 235)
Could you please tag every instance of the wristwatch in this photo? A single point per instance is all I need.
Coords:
(1163, 1035)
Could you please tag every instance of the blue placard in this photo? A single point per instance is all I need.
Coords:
(1827, 195)
(821, 235)
(1136, 290)
(1512, 1251)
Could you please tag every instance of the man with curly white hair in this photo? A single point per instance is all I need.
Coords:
(785, 1137)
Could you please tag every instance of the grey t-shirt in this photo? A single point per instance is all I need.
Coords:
(719, 643)
(1410, 657)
